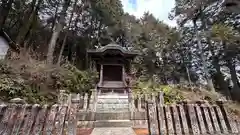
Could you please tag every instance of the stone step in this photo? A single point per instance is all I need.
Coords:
(113, 131)
(112, 110)
(105, 107)
(113, 116)
(104, 110)
(112, 101)
(113, 123)
(109, 95)
(109, 106)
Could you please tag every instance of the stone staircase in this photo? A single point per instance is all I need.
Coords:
(112, 111)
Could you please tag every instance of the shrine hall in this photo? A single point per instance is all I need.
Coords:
(113, 63)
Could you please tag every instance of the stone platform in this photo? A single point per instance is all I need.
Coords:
(113, 123)
(112, 103)
(113, 131)
(112, 111)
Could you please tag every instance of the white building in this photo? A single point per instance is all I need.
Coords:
(232, 5)
(4, 46)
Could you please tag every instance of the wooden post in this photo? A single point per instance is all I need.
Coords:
(161, 98)
(161, 115)
(184, 119)
(169, 120)
(221, 119)
(72, 118)
(200, 118)
(214, 118)
(230, 121)
(101, 75)
(139, 103)
(48, 128)
(207, 118)
(29, 120)
(19, 119)
(178, 129)
(85, 105)
(69, 100)
(193, 119)
(40, 120)
(60, 119)
(62, 97)
(152, 116)
(123, 74)
(130, 102)
(8, 120)
(94, 99)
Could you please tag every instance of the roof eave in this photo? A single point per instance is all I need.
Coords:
(11, 43)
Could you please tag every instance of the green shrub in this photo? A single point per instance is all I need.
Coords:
(149, 87)
(37, 82)
(78, 81)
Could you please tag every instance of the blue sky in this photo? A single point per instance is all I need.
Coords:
(159, 8)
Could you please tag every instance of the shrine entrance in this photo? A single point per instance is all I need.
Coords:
(112, 72)
(113, 63)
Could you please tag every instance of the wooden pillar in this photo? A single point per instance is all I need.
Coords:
(92, 65)
(101, 74)
(139, 103)
(123, 73)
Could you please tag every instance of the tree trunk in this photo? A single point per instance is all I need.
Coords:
(189, 78)
(58, 28)
(62, 48)
(230, 57)
(210, 85)
(218, 76)
(4, 11)
(66, 35)
(26, 26)
(55, 16)
(186, 67)
(236, 89)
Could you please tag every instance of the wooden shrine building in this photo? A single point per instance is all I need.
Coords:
(113, 63)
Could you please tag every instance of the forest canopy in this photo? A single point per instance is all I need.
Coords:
(202, 51)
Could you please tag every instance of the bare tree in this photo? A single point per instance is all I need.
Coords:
(57, 29)
(24, 29)
(67, 32)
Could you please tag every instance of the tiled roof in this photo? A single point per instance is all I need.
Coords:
(11, 43)
(112, 47)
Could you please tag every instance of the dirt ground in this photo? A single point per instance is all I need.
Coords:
(88, 131)
(85, 131)
(141, 131)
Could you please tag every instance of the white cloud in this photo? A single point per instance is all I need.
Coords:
(159, 8)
